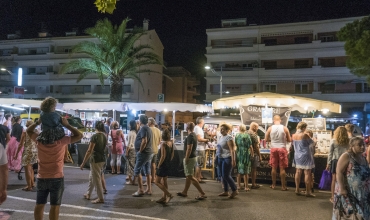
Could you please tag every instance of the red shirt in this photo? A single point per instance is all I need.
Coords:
(51, 157)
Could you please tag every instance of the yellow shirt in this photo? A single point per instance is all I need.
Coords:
(156, 138)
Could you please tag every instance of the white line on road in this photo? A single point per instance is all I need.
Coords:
(88, 208)
(66, 215)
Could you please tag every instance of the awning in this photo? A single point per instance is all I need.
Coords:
(298, 103)
(358, 81)
(168, 106)
(118, 106)
(20, 102)
(331, 82)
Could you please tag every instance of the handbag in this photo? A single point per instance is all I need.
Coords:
(341, 214)
(325, 181)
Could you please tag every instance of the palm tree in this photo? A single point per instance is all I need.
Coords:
(115, 57)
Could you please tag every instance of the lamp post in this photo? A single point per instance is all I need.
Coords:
(220, 75)
(3, 69)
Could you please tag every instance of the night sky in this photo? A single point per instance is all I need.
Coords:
(180, 24)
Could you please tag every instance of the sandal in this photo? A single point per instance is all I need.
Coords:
(168, 198)
(310, 195)
(298, 193)
(286, 189)
(161, 200)
(86, 196)
(137, 194)
(233, 194)
(255, 187)
(224, 194)
(272, 187)
(201, 197)
(27, 189)
(247, 189)
(331, 200)
(181, 194)
(148, 193)
(96, 201)
(105, 191)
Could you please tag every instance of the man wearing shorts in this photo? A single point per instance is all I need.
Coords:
(278, 135)
(156, 140)
(253, 128)
(144, 154)
(190, 161)
(201, 146)
(50, 177)
(4, 139)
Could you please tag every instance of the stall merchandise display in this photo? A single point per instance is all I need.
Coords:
(323, 139)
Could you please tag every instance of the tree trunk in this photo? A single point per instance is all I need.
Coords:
(116, 89)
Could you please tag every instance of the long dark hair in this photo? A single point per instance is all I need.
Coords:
(133, 126)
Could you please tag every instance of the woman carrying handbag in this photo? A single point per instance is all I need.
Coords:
(352, 189)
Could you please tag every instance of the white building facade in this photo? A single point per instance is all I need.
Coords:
(304, 59)
(40, 58)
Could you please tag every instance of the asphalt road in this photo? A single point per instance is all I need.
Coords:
(263, 203)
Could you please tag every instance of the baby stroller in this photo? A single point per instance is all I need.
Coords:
(35, 170)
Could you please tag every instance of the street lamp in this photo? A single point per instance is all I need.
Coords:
(220, 75)
(3, 69)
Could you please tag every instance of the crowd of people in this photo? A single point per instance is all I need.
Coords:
(148, 151)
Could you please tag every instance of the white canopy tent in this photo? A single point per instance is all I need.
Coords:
(169, 106)
(20, 104)
(298, 103)
(119, 106)
(145, 106)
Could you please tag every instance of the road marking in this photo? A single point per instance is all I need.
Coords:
(88, 208)
(66, 215)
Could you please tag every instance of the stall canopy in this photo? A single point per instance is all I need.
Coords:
(117, 106)
(298, 103)
(20, 103)
(169, 106)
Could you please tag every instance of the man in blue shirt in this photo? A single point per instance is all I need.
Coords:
(144, 154)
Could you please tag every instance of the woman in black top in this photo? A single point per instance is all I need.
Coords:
(166, 155)
(96, 154)
(16, 135)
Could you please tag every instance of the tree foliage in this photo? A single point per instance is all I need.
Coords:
(357, 45)
(106, 6)
(115, 57)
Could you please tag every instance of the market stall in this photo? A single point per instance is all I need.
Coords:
(89, 113)
(176, 164)
(260, 108)
(100, 107)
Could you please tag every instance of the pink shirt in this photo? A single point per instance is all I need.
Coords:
(51, 157)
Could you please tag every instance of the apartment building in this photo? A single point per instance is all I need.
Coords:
(40, 58)
(182, 87)
(304, 59)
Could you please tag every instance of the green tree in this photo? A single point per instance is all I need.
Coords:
(357, 45)
(115, 57)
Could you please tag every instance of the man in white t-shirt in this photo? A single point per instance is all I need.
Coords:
(156, 140)
(279, 136)
(201, 146)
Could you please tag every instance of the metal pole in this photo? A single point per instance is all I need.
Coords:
(29, 113)
(221, 90)
(173, 125)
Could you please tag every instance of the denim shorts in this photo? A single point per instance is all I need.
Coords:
(143, 163)
(54, 186)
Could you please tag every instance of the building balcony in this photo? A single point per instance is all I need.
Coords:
(338, 97)
(72, 96)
